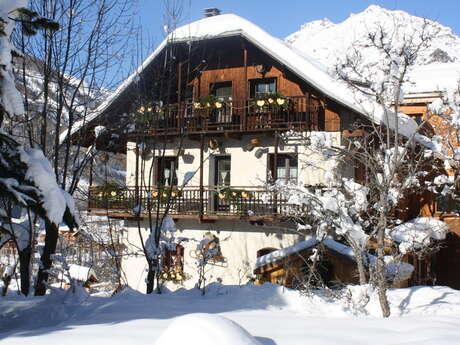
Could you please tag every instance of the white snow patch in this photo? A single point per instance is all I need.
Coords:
(417, 233)
(41, 173)
(272, 314)
(205, 329)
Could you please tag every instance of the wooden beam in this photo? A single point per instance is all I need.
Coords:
(233, 135)
(91, 171)
(179, 94)
(201, 177)
(275, 172)
(246, 94)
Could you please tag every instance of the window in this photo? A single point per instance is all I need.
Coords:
(222, 171)
(446, 204)
(167, 171)
(417, 117)
(286, 167)
(259, 87)
(221, 90)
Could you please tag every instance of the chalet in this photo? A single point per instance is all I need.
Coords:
(211, 104)
(429, 85)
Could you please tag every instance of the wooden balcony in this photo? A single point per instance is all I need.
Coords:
(207, 203)
(233, 116)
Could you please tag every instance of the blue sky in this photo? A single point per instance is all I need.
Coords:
(282, 17)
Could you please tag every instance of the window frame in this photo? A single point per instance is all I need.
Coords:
(173, 164)
(254, 82)
(287, 157)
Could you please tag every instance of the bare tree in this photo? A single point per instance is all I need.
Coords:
(64, 74)
(28, 181)
(390, 153)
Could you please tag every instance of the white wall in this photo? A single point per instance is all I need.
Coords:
(239, 242)
(246, 168)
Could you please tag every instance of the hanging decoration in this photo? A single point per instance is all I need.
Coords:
(148, 112)
(204, 105)
(274, 100)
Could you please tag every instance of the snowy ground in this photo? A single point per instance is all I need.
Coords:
(273, 315)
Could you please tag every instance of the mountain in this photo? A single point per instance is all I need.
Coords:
(328, 42)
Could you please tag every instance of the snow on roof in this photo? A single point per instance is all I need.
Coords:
(304, 66)
(81, 273)
(417, 233)
(396, 270)
(433, 77)
(284, 252)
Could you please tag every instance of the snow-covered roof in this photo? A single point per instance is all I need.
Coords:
(417, 233)
(284, 252)
(433, 77)
(304, 66)
(81, 273)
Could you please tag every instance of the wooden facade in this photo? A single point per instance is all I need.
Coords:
(192, 73)
(441, 268)
(334, 268)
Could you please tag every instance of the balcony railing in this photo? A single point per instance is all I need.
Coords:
(233, 116)
(209, 201)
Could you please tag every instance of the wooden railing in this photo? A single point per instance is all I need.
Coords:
(210, 201)
(233, 116)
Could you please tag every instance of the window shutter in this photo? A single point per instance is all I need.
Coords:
(270, 167)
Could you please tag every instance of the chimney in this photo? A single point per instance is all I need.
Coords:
(211, 12)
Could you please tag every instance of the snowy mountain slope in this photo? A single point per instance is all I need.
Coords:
(77, 96)
(329, 42)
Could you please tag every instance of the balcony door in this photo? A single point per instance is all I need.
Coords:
(223, 92)
(222, 174)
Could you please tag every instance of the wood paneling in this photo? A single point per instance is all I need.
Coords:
(332, 120)
(237, 76)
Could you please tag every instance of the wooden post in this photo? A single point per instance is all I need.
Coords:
(136, 185)
(308, 111)
(179, 96)
(198, 94)
(275, 170)
(91, 171)
(246, 94)
(201, 177)
(90, 182)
